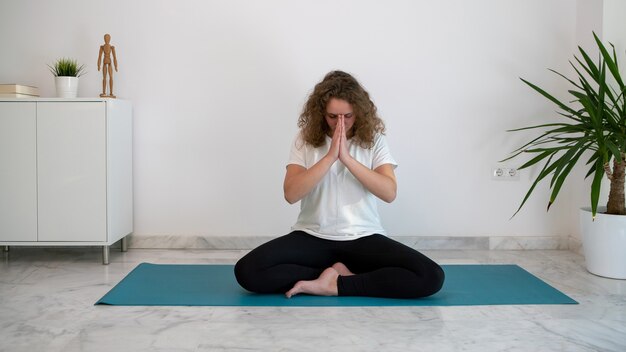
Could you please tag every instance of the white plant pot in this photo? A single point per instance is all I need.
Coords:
(604, 243)
(67, 87)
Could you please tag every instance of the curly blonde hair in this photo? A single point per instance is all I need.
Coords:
(340, 85)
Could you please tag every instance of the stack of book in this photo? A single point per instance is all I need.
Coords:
(18, 91)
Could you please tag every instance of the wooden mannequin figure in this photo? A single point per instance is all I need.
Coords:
(107, 49)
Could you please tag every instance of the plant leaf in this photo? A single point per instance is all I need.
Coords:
(596, 185)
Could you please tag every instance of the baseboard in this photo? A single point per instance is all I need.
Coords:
(417, 242)
(575, 245)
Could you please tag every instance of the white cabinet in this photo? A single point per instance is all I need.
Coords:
(65, 172)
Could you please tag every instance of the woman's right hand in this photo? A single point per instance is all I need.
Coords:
(335, 144)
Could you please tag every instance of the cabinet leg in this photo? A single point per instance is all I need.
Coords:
(124, 244)
(105, 255)
(5, 248)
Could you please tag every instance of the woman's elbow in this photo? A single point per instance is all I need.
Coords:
(290, 197)
(388, 198)
(391, 194)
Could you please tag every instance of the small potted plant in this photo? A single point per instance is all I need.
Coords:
(592, 129)
(66, 73)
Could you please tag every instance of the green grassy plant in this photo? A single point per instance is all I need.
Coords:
(66, 67)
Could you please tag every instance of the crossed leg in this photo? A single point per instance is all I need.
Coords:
(371, 266)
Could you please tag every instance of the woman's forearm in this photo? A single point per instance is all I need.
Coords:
(299, 181)
(381, 182)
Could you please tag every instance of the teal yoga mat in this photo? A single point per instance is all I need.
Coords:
(215, 285)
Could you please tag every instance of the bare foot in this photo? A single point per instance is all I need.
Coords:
(324, 285)
(342, 269)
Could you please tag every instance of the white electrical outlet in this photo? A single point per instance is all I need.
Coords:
(505, 174)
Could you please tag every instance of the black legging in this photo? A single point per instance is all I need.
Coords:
(383, 267)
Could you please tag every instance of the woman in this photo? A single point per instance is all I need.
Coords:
(339, 164)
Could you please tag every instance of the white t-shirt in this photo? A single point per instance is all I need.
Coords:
(339, 207)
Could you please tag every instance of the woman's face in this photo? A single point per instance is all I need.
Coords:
(334, 109)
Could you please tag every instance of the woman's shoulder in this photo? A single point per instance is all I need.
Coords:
(380, 139)
(299, 142)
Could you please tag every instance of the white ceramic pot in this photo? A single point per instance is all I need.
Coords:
(604, 243)
(67, 87)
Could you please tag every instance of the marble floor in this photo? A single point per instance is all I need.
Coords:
(47, 297)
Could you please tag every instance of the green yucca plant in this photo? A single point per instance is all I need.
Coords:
(596, 124)
(66, 67)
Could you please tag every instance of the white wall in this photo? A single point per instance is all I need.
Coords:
(217, 87)
(614, 26)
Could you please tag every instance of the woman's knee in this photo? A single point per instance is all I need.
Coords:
(428, 281)
(245, 274)
(435, 279)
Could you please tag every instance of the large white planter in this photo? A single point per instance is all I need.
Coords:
(67, 87)
(604, 243)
